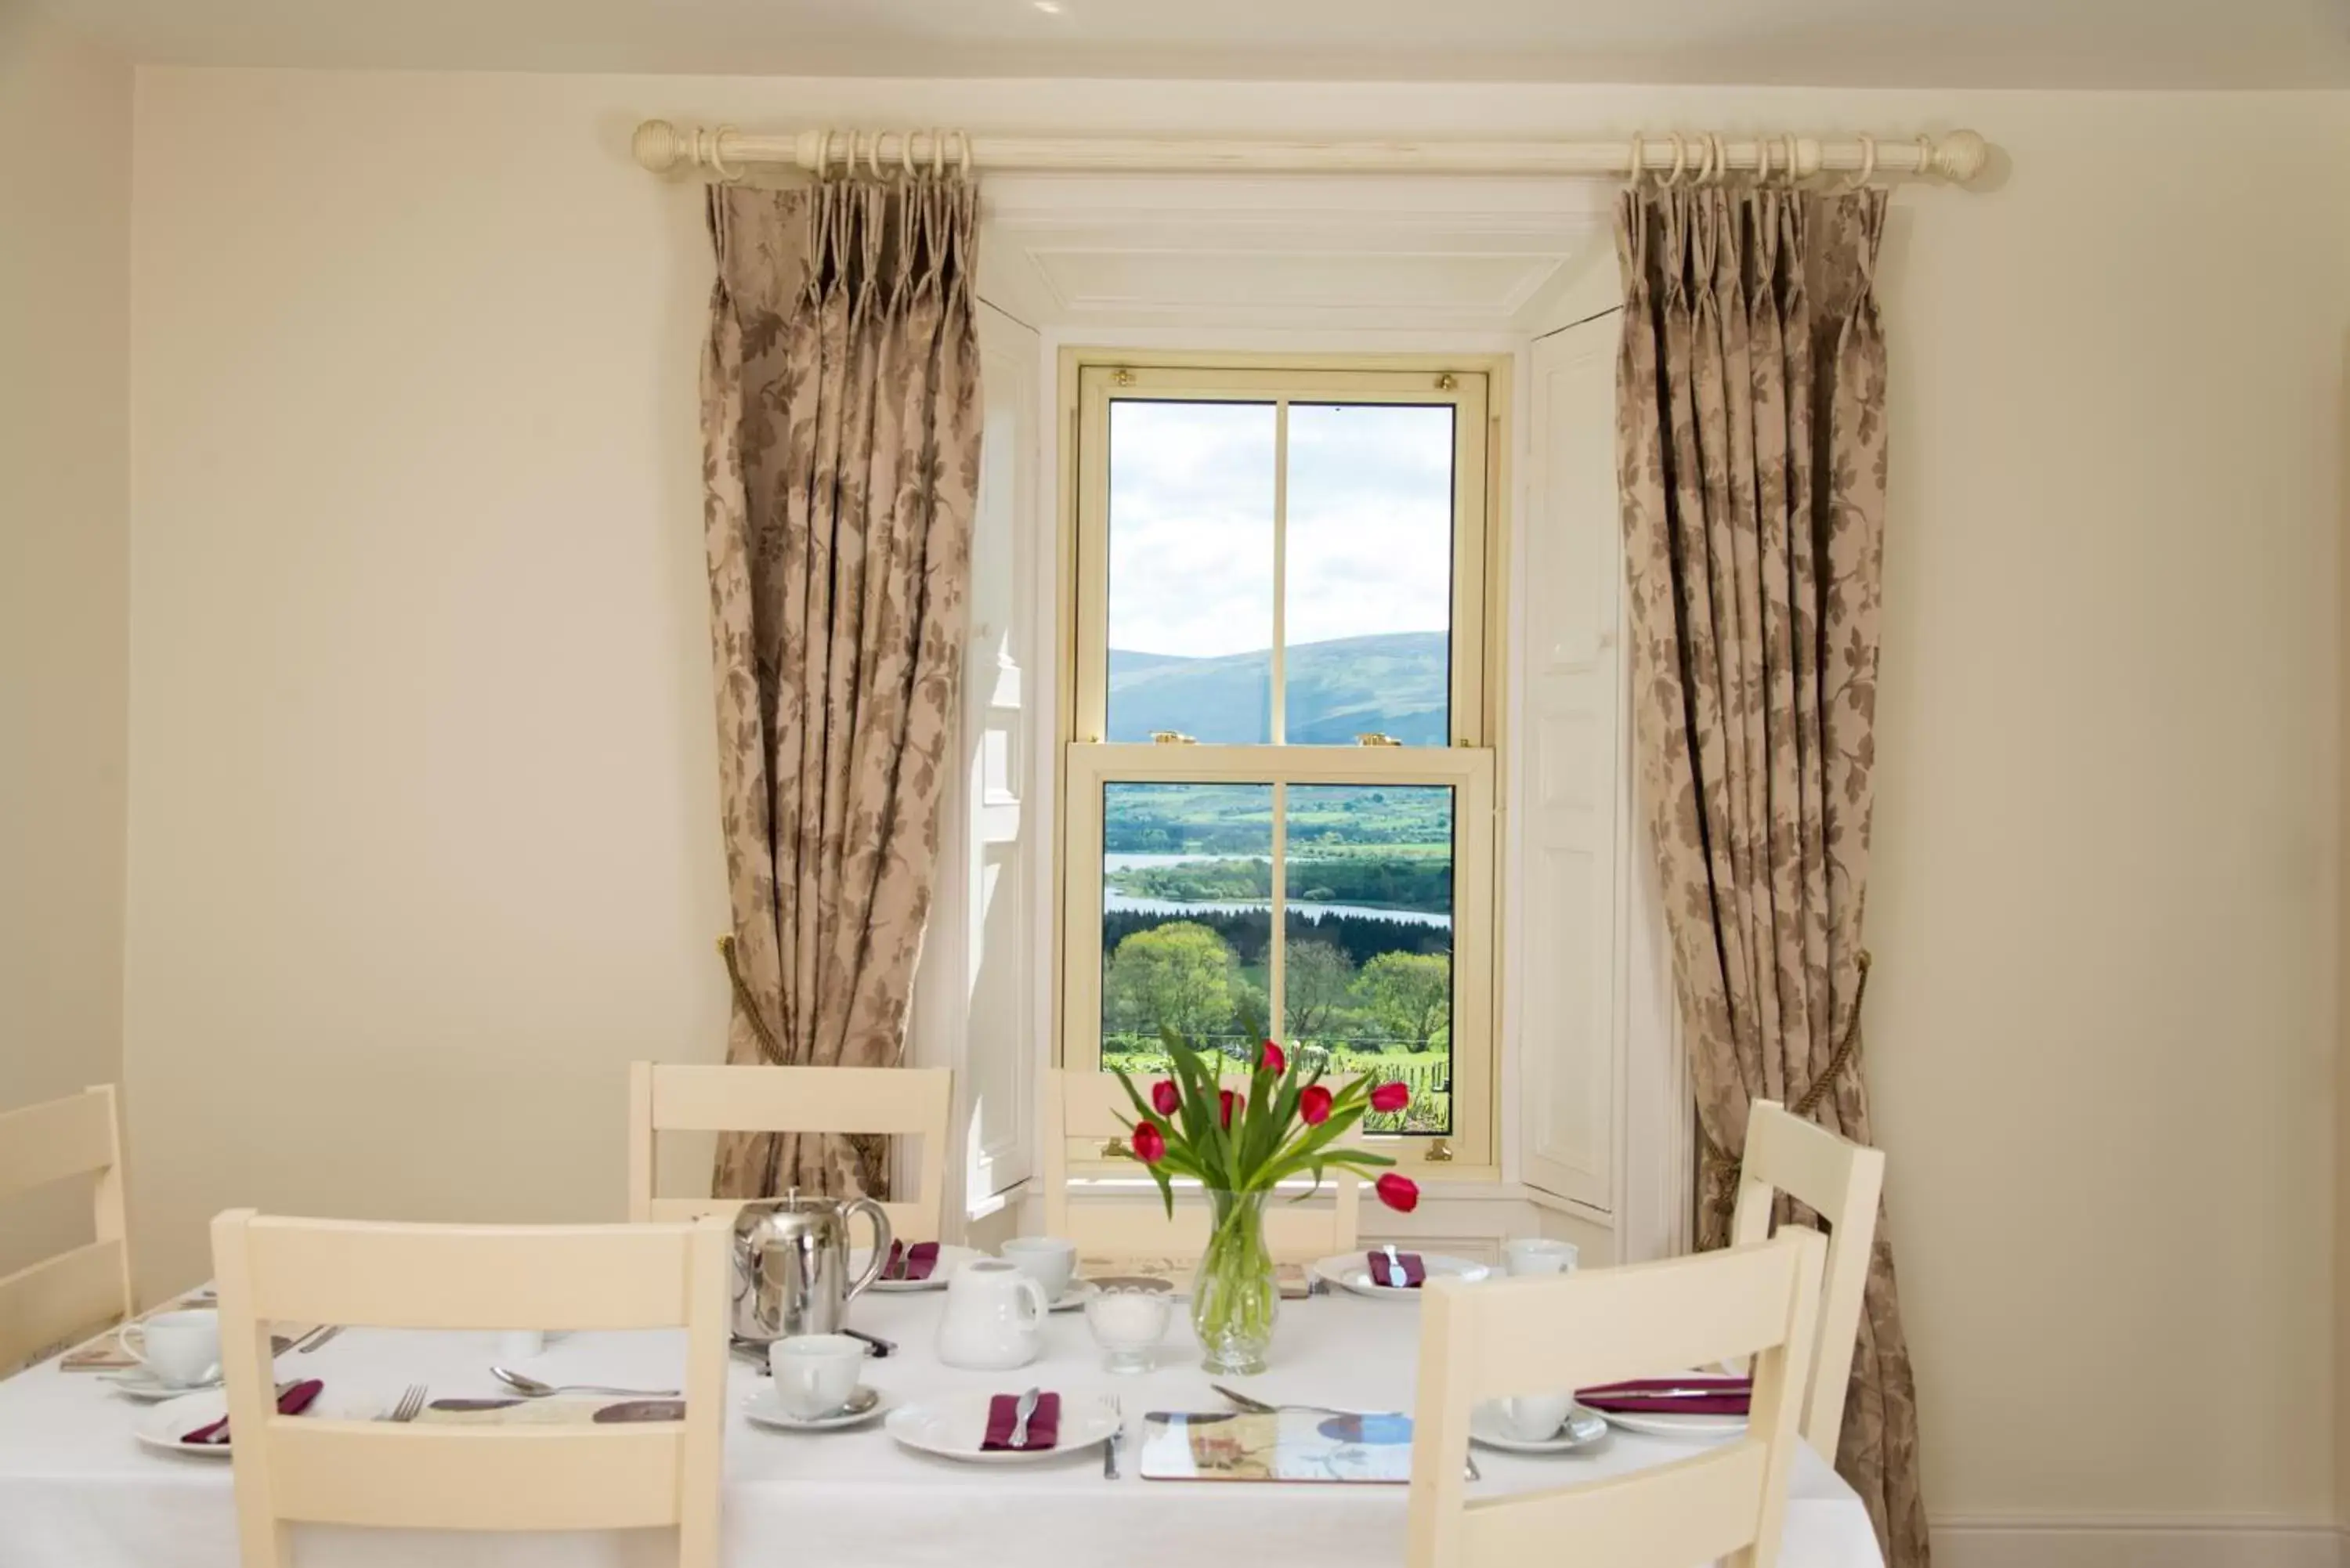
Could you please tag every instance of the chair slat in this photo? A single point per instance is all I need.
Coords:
(1842, 1182)
(55, 1139)
(475, 1477)
(60, 1300)
(488, 1276)
(895, 1102)
(1629, 1322)
(1694, 1511)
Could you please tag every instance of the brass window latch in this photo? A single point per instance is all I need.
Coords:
(1377, 738)
(1171, 738)
(1439, 1152)
(1111, 1149)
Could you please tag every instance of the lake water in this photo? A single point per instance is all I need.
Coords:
(1309, 912)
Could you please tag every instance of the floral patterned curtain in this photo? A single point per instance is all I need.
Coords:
(1751, 452)
(840, 422)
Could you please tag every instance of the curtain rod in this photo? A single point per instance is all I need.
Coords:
(725, 152)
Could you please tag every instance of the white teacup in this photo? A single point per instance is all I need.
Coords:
(815, 1373)
(1535, 1416)
(180, 1349)
(1047, 1260)
(1534, 1255)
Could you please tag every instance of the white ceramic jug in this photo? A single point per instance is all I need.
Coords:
(995, 1317)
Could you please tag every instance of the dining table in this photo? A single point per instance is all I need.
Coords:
(77, 1491)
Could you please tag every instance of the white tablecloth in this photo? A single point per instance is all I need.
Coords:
(76, 1492)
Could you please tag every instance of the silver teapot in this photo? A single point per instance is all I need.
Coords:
(791, 1264)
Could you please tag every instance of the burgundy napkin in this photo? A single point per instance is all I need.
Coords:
(1649, 1396)
(913, 1263)
(293, 1402)
(1415, 1273)
(1043, 1423)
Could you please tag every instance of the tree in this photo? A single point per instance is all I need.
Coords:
(1178, 976)
(1410, 995)
(1317, 978)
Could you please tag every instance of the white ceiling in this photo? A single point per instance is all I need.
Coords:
(2020, 43)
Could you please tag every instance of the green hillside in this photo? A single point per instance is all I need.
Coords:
(1338, 690)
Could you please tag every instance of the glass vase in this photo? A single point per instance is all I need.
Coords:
(1234, 1296)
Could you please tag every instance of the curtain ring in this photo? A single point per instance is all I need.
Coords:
(1762, 162)
(873, 154)
(718, 161)
(1787, 145)
(1720, 158)
(963, 141)
(1681, 159)
(1867, 164)
(938, 151)
(1639, 157)
(906, 152)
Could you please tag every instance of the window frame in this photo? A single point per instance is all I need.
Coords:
(1090, 382)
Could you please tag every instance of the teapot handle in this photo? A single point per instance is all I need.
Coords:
(881, 1238)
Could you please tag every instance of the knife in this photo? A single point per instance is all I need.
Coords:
(1026, 1408)
(875, 1346)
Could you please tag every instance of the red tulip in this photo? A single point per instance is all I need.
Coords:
(1149, 1147)
(1391, 1097)
(1225, 1099)
(1313, 1105)
(1164, 1098)
(1272, 1061)
(1400, 1193)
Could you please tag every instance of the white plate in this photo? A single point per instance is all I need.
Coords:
(951, 1258)
(138, 1383)
(1489, 1424)
(161, 1426)
(766, 1409)
(954, 1428)
(1352, 1271)
(1688, 1428)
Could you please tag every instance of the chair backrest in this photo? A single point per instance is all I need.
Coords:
(623, 1476)
(1841, 1182)
(898, 1101)
(1080, 1106)
(1495, 1339)
(61, 1299)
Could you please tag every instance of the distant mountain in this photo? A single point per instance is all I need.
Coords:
(1396, 682)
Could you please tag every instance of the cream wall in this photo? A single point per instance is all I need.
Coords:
(422, 849)
(65, 356)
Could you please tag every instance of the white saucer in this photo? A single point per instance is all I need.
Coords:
(1688, 1428)
(766, 1409)
(954, 1428)
(1489, 1424)
(1352, 1271)
(951, 1258)
(161, 1426)
(1071, 1299)
(138, 1383)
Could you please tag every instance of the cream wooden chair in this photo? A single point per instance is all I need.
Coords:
(1841, 1182)
(297, 1470)
(75, 1293)
(898, 1101)
(1491, 1340)
(1084, 1107)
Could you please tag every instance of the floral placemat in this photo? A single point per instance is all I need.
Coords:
(1287, 1446)
(1294, 1283)
(105, 1351)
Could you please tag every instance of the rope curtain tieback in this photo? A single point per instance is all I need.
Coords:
(768, 1047)
(1721, 1172)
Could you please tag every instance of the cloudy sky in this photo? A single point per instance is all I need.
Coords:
(1191, 560)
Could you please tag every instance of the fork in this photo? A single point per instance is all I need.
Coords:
(1109, 1450)
(411, 1405)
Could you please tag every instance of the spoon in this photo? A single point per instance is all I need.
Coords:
(532, 1388)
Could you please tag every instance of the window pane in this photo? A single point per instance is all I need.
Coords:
(1367, 621)
(1367, 941)
(1187, 904)
(1190, 570)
